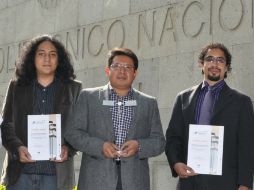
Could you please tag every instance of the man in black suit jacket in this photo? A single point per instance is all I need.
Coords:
(230, 109)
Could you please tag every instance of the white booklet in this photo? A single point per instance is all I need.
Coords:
(44, 136)
(205, 149)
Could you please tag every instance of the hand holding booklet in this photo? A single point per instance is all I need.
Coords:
(205, 149)
(44, 136)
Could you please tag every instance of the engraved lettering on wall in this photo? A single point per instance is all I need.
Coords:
(168, 26)
(48, 4)
(116, 34)
(156, 28)
(83, 42)
(211, 17)
(235, 10)
(72, 43)
(1, 59)
(12, 54)
(190, 22)
(146, 29)
(252, 13)
(95, 39)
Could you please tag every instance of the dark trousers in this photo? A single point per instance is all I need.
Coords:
(33, 181)
(198, 182)
(119, 182)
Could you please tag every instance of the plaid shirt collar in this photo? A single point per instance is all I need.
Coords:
(112, 91)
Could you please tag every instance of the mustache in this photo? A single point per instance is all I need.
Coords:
(214, 67)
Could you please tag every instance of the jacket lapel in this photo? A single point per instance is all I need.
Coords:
(225, 98)
(60, 97)
(136, 110)
(29, 96)
(189, 105)
(105, 111)
(26, 98)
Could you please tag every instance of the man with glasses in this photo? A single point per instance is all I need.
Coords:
(117, 128)
(213, 103)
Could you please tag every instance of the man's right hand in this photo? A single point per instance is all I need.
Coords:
(24, 155)
(183, 170)
(109, 150)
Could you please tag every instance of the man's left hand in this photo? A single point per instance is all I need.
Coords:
(129, 148)
(64, 154)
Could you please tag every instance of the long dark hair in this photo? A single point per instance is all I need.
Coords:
(25, 67)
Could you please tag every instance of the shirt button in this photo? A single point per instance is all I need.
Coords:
(44, 89)
(43, 101)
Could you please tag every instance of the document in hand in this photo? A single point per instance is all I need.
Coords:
(205, 149)
(44, 136)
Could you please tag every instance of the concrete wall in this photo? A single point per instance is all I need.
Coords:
(167, 36)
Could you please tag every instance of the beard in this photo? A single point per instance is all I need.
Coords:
(213, 78)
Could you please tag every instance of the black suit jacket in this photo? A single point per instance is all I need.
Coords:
(234, 111)
(19, 104)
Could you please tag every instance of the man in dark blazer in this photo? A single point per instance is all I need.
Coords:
(230, 109)
(117, 128)
(43, 84)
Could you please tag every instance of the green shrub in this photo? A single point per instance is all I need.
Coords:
(2, 187)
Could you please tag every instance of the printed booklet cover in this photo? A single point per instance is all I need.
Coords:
(44, 136)
(205, 149)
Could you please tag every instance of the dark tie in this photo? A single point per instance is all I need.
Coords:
(206, 108)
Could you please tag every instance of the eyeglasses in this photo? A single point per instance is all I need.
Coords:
(212, 59)
(118, 66)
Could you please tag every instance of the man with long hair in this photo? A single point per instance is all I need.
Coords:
(43, 84)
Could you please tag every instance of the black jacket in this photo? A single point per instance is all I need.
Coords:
(234, 111)
(19, 104)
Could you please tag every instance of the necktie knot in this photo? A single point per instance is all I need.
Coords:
(209, 88)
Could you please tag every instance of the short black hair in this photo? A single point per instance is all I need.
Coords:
(122, 51)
